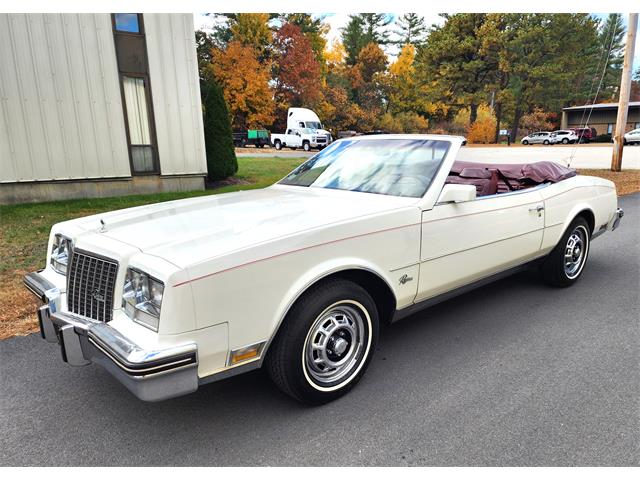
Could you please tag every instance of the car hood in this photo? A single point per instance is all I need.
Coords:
(182, 231)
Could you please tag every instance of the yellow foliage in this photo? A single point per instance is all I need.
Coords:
(252, 29)
(483, 130)
(403, 66)
(336, 54)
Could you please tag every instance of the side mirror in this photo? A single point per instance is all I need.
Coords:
(457, 193)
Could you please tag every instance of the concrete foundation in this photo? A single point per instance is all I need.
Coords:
(31, 192)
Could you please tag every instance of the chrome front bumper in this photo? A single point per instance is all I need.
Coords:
(151, 375)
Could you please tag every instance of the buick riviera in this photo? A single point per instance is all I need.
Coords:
(298, 277)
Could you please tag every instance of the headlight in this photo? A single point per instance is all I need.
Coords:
(142, 298)
(60, 253)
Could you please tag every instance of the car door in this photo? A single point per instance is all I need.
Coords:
(291, 139)
(535, 138)
(465, 242)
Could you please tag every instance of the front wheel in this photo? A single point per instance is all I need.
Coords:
(546, 142)
(306, 146)
(566, 262)
(325, 343)
(525, 142)
(565, 141)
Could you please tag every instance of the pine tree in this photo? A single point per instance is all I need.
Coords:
(611, 40)
(363, 29)
(411, 29)
(218, 138)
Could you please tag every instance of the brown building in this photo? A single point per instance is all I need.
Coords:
(602, 117)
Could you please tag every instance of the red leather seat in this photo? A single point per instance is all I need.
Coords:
(490, 179)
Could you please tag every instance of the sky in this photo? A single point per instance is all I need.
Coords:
(338, 20)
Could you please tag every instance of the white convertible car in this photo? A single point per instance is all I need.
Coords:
(297, 277)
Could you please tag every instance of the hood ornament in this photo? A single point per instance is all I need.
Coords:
(103, 227)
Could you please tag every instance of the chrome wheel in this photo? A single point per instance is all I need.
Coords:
(337, 344)
(575, 252)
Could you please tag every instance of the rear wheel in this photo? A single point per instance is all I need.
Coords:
(325, 343)
(278, 145)
(566, 262)
(565, 141)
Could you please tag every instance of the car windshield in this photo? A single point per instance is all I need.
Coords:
(400, 167)
(316, 125)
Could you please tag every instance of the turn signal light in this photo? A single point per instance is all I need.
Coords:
(245, 353)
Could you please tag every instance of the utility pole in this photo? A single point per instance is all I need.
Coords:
(625, 90)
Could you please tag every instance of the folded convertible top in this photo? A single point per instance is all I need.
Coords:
(491, 178)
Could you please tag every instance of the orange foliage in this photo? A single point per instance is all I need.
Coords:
(482, 131)
(245, 82)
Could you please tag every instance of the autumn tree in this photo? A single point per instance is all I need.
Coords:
(367, 80)
(252, 29)
(410, 29)
(245, 82)
(314, 29)
(403, 93)
(296, 70)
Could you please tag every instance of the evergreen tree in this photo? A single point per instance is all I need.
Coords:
(218, 138)
(363, 29)
(411, 29)
(611, 40)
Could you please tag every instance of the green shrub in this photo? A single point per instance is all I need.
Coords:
(218, 138)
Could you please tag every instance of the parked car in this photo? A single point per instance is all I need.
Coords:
(305, 138)
(565, 136)
(257, 138)
(632, 137)
(545, 138)
(585, 134)
(298, 277)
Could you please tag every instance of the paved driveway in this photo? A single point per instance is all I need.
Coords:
(514, 373)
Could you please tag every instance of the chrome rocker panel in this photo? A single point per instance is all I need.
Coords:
(151, 375)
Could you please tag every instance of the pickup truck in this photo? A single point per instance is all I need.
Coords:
(305, 138)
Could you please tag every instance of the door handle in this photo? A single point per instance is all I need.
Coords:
(538, 209)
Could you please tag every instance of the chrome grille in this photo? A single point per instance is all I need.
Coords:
(90, 285)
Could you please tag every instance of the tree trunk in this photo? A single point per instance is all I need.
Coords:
(473, 115)
(516, 121)
(498, 114)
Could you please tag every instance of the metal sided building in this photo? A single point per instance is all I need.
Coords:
(601, 116)
(98, 105)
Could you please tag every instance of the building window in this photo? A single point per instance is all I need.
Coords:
(135, 97)
(137, 104)
(126, 22)
(610, 128)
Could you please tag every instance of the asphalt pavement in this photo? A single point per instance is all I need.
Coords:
(515, 373)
